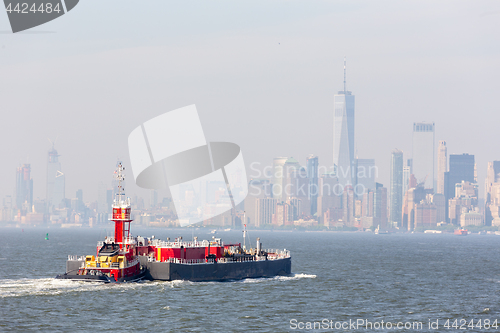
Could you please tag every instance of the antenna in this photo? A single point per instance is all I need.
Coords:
(344, 77)
(244, 235)
(120, 177)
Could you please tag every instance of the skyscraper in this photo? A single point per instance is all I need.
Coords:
(265, 208)
(348, 206)
(296, 185)
(80, 206)
(367, 209)
(365, 175)
(442, 166)
(461, 169)
(277, 177)
(380, 206)
(407, 172)
(329, 199)
(312, 175)
(343, 135)
(396, 189)
(55, 181)
(492, 194)
(7, 209)
(258, 189)
(291, 172)
(24, 188)
(415, 196)
(423, 153)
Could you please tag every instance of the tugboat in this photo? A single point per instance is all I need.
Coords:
(116, 259)
(124, 258)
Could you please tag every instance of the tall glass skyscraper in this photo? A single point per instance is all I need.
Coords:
(24, 188)
(396, 189)
(343, 136)
(312, 175)
(461, 168)
(407, 171)
(423, 153)
(364, 176)
(442, 166)
(277, 177)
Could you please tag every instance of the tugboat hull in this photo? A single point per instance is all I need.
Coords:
(101, 278)
(86, 278)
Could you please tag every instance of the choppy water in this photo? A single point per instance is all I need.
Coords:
(337, 276)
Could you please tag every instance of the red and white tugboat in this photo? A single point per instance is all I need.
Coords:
(116, 259)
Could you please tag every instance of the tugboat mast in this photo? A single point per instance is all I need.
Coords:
(121, 210)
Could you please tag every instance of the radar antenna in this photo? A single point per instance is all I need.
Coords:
(120, 177)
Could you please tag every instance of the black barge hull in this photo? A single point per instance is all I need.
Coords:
(167, 271)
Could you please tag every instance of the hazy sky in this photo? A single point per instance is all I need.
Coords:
(261, 73)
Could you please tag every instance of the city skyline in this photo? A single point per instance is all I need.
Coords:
(294, 194)
(278, 104)
(54, 172)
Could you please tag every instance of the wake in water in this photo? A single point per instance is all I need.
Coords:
(293, 276)
(179, 283)
(25, 287)
(51, 286)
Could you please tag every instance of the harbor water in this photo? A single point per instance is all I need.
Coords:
(337, 278)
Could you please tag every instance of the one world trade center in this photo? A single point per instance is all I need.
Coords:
(343, 136)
